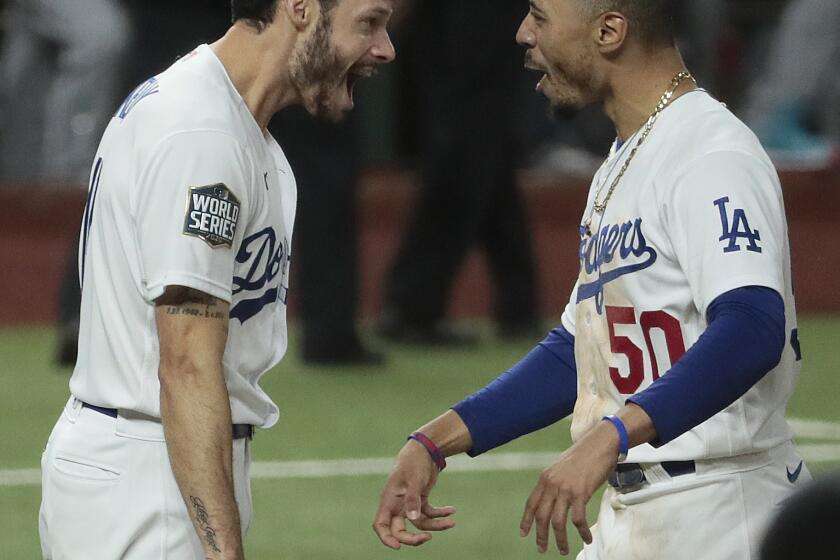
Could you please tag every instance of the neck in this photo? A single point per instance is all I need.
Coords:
(635, 89)
(258, 66)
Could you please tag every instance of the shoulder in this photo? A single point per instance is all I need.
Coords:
(706, 143)
(707, 130)
(188, 98)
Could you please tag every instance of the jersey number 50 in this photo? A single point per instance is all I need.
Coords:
(648, 321)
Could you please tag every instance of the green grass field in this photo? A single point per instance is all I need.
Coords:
(344, 414)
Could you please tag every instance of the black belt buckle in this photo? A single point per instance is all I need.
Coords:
(241, 431)
(679, 468)
(627, 477)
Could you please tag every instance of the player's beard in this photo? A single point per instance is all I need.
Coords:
(317, 72)
(572, 84)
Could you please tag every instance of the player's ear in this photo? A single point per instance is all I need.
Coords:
(300, 12)
(610, 32)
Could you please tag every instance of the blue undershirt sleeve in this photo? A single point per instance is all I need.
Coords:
(744, 340)
(535, 393)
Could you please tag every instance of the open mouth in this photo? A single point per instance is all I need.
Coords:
(356, 73)
(543, 79)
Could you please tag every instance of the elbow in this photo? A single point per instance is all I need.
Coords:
(774, 351)
(779, 348)
(752, 319)
(176, 369)
(776, 339)
(189, 367)
(768, 351)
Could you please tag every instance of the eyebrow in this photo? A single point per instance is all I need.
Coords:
(378, 11)
(534, 6)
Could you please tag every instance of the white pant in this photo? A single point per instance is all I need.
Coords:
(718, 513)
(108, 491)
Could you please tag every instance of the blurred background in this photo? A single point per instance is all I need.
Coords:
(435, 244)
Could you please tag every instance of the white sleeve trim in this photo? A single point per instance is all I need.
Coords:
(568, 324)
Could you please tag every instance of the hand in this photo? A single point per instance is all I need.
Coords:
(405, 496)
(569, 484)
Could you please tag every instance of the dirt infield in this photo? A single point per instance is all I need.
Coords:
(39, 225)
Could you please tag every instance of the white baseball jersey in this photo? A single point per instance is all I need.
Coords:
(698, 213)
(186, 190)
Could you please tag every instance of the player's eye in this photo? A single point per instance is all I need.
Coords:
(369, 23)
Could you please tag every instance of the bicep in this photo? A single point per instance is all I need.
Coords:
(192, 328)
(190, 210)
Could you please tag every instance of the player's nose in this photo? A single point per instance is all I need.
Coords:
(525, 35)
(383, 49)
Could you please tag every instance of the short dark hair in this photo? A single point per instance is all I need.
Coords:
(260, 13)
(651, 21)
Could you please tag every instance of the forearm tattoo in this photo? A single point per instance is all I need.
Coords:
(202, 518)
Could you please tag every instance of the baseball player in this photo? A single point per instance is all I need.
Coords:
(184, 264)
(678, 350)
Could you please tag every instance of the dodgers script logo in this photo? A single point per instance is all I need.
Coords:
(622, 244)
(269, 258)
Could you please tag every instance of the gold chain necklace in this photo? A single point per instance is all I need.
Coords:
(601, 207)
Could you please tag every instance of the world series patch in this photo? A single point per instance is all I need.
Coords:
(212, 215)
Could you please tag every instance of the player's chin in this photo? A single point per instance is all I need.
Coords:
(331, 108)
(330, 113)
(563, 98)
(557, 90)
(333, 103)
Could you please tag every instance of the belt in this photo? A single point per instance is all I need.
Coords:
(240, 431)
(631, 476)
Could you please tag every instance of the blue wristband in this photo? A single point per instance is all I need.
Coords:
(623, 437)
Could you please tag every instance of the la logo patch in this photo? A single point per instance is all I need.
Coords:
(740, 229)
(212, 215)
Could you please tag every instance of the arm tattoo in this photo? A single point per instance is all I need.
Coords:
(188, 302)
(202, 518)
(207, 313)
